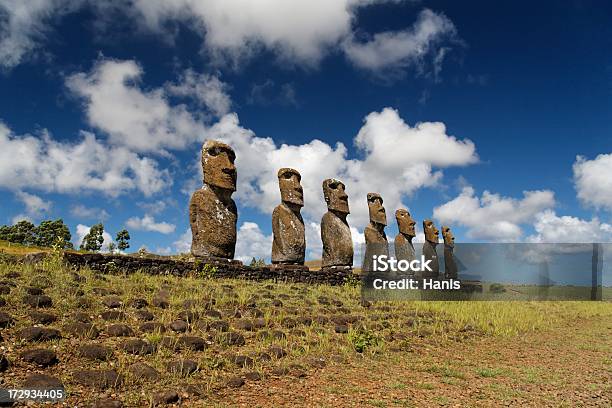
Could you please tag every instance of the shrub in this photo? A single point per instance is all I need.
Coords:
(497, 288)
(362, 339)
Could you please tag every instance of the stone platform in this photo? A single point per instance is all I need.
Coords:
(223, 268)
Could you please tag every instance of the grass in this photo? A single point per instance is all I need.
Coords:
(375, 331)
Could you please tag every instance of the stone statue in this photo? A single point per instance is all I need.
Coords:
(375, 237)
(450, 266)
(289, 244)
(212, 212)
(403, 240)
(335, 231)
(429, 248)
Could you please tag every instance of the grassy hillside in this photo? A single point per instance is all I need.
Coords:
(143, 339)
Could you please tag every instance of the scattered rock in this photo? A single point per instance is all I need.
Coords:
(189, 316)
(138, 303)
(165, 397)
(277, 351)
(100, 291)
(34, 291)
(144, 371)
(42, 381)
(42, 317)
(78, 278)
(82, 317)
(144, 315)
(244, 324)
(42, 357)
(235, 382)
(231, 339)
(38, 334)
(6, 320)
(112, 315)
(137, 346)
(38, 301)
(13, 275)
(95, 352)
(4, 363)
(161, 300)
(182, 367)
(218, 325)
(213, 313)
(192, 342)
(107, 403)
(112, 302)
(341, 328)
(289, 322)
(5, 289)
(253, 376)
(279, 371)
(98, 378)
(179, 326)
(153, 327)
(82, 330)
(119, 330)
(243, 361)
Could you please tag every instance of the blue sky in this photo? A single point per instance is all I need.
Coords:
(492, 118)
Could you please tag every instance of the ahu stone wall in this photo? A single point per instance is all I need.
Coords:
(126, 264)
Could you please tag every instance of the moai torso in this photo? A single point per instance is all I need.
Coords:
(212, 212)
(375, 237)
(335, 231)
(404, 250)
(450, 266)
(289, 242)
(429, 249)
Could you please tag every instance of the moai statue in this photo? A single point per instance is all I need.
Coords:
(335, 231)
(450, 267)
(429, 249)
(212, 212)
(403, 240)
(375, 237)
(289, 244)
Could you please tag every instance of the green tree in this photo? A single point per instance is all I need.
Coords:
(51, 233)
(123, 240)
(112, 247)
(94, 238)
(24, 233)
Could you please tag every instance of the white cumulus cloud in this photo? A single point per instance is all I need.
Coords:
(148, 223)
(492, 216)
(593, 182)
(35, 206)
(550, 227)
(43, 163)
(394, 51)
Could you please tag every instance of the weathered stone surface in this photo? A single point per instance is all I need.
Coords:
(4, 363)
(144, 315)
(230, 339)
(192, 342)
(6, 320)
(165, 397)
(82, 330)
(138, 303)
(112, 302)
(151, 327)
(137, 346)
(41, 357)
(450, 266)
(144, 371)
(98, 378)
(42, 318)
(112, 315)
(38, 334)
(289, 242)
(179, 326)
(404, 249)
(429, 249)
(235, 382)
(119, 330)
(107, 403)
(37, 300)
(212, 212)
(41, 381)
(95, 352)
(182, 367)
(335, 231)
(375, 237)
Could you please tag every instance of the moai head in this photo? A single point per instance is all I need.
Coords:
(405, 223)
(449, 238)
(218, 165)
(377, 211)
(335, 197)
(431, 232)
(290, 187)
